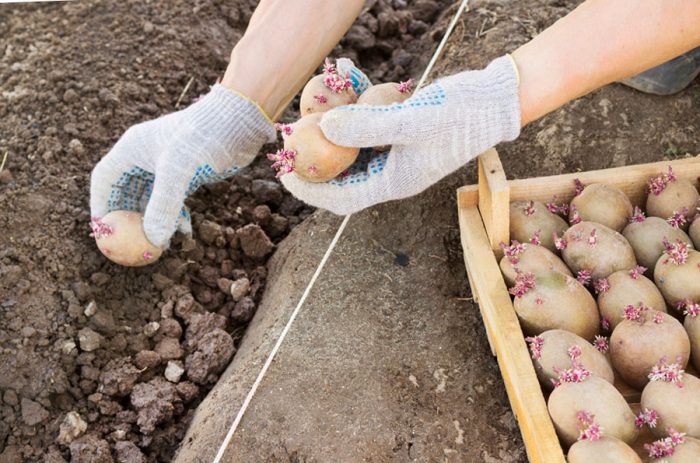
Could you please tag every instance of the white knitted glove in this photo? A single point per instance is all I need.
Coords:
(155, 165)
(433, 133)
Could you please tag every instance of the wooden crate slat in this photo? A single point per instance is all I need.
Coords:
(494, 199)
(507, 340)
(630, 179)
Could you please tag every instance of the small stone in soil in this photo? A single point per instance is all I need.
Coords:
(240, 288)
(71, 428)
(89, 340)
(171, 328)
(151, 329)
(174, 371)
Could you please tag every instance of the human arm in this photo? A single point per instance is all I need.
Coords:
(155, 165)
(599, 42)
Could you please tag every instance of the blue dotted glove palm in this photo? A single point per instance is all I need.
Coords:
(155, 165)
(433, 133)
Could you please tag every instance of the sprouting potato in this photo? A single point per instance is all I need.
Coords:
(326, 91)
(647, 235)
(596, 250)
(687, 450)
(694, 231)
(528, 257)
(309, 154)
(677, 273)
(623, 288)
(551, 353)
(669, 195)
(532, 218)
(553, 300)
(602, 204)
(596, 397)
(120, 237)
(642, 340)
(673, 398)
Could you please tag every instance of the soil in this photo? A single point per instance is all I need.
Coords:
(101, 363)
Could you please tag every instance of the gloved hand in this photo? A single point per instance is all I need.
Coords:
(155, 165)
(433, 133)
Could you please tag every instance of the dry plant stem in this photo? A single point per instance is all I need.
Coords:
(285, 42)
(600, 42)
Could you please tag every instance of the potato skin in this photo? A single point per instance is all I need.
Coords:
(678, 282)
(694, 232)
(599, 398)
(625, 290)
(383, 94)
(635, 347)
(687, 452)
(692, 327)
(534, 259)
(678, 194)
(602, 204)
(610, 253)
(317, 159)
(524, 226)
(678, 407)
(554, 353)
(315, 87)
(127, 244)
(606, 450)
(557, 301)
(647, 239)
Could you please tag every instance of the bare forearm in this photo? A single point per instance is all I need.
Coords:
(600, 42)
(285, 41)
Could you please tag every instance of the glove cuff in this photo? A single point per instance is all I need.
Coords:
(501, 84)
(232, 121)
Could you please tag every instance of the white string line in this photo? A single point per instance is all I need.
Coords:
(329, 251)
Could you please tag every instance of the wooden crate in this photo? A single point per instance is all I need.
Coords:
(484, 223)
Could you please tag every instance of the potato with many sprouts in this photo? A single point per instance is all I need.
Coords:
(602, 204)
(578, 393)
(552, 352)
(120, 237)
(671, 399)
(309, 154)
(606, 449)
(326, 91)
(642, 339)
(552, 300)
(533, 218)
(674, 448)
(670, 195)
(529, 258)
(646, 235)
(623, 288)
(677, 273)
(691, 310)
(594, 251)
